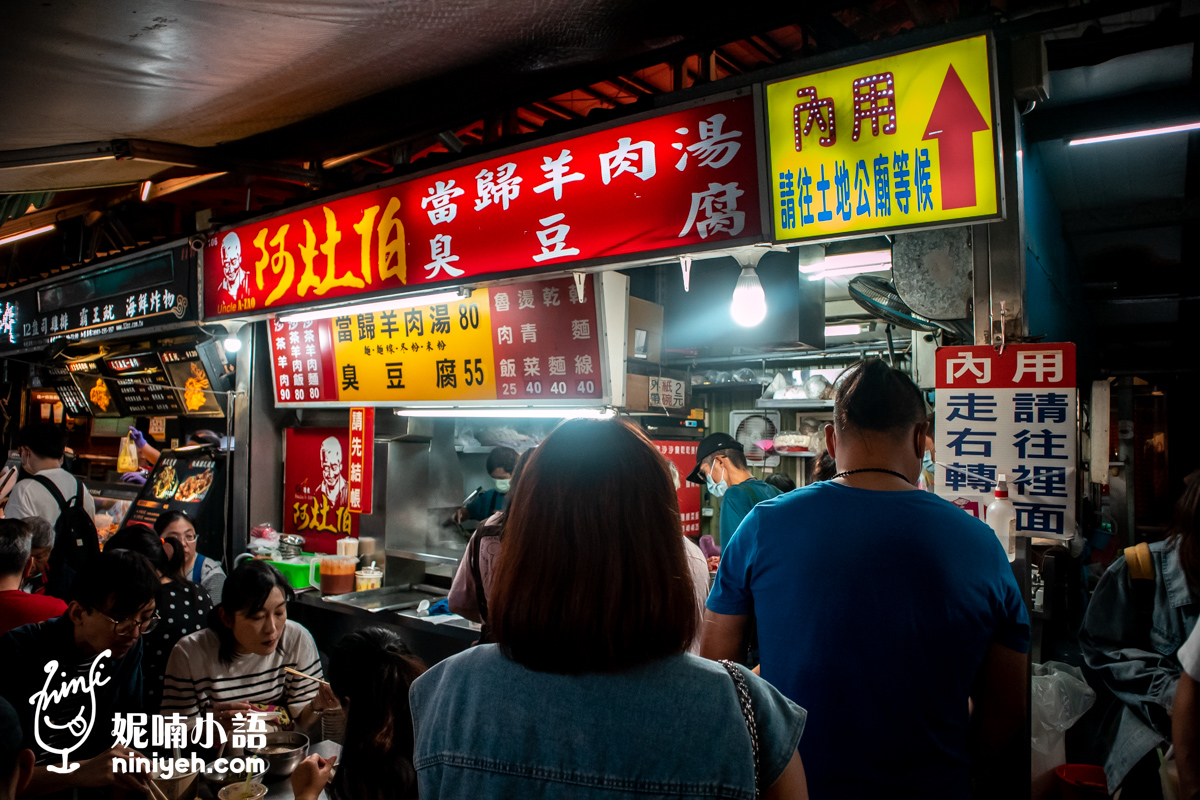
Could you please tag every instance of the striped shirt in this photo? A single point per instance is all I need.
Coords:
(196, 678)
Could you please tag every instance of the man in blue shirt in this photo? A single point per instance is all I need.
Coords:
(721, 465)
(882, 610)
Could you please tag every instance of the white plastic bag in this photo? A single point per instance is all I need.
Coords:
(1060, 697)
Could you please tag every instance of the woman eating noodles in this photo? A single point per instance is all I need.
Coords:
(240, 658)
(197, 568)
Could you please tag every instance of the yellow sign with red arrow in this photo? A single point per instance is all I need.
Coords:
(902, 142)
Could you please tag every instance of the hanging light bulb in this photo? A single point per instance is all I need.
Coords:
(749, 306)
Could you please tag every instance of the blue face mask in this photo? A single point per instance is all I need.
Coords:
(927, 462)
(714, 488)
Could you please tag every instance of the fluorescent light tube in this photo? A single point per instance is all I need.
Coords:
(510, 413)
(853, 270)
(368, 308)
(16, 237)
(843, 330)
(1116, 137)
(831, 263)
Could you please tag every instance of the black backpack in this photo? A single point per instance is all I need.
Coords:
(76, 543)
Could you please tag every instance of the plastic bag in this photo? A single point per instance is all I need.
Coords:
(1060, 697)
(127, 457)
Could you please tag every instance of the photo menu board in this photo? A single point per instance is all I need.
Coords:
(179, 482)
(187, 374)
(100, 392)
(73, 400)
(142, 385)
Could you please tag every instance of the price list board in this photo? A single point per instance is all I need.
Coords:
(178, 483)
(187, 374)
(142, 385)
(74, 403)
(100, 392)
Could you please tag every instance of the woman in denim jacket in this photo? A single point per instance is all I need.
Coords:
(1130, 634)
(589, 692)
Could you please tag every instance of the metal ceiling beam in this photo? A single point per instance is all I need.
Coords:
(1164, 107)
(154, 152)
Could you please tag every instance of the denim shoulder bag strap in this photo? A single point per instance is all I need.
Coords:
(747, 706)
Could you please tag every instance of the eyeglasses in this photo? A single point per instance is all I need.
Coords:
(126, 627)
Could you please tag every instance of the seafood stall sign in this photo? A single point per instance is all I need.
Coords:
(316, 488)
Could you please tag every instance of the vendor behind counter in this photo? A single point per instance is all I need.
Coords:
(500, 465)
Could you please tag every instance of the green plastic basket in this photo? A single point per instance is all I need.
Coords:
(297, 574)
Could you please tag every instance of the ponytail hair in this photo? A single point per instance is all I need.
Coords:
(370, 671)
(140, 538)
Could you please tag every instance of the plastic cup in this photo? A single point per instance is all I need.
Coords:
(368, 578)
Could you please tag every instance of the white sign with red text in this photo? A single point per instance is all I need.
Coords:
(1012, 414)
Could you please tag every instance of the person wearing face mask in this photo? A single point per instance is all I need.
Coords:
(500, 465)
(721, 465)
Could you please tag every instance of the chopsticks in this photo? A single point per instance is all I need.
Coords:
(155, 792)
(302, 675)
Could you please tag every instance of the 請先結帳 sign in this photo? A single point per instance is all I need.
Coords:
(904, 141)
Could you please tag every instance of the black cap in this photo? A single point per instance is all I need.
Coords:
(710, 444)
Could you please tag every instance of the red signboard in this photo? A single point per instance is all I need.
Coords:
(362, 459)
(316, 492)
(303, 362)
(683, 179)
(1026, 366)
(526, 341)
(682, 456)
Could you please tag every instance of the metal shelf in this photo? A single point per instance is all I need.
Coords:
(795, 405)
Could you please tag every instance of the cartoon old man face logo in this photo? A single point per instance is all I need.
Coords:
(63, 716)
(235, 277)
(333, 483)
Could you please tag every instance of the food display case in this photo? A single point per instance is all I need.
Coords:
(113, 503)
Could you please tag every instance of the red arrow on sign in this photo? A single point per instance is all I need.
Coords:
(954, 121)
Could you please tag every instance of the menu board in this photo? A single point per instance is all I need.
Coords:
(142, 385)
(99, 392)
(187, 374)
(524, 342)
(74, 403)
(179, 482)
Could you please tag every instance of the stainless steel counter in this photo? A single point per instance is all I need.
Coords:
(330, 619)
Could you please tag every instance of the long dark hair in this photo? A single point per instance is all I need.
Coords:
(246, 590)
(593, 576)
(142, 539)
(370, 671)
(1183, 532)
